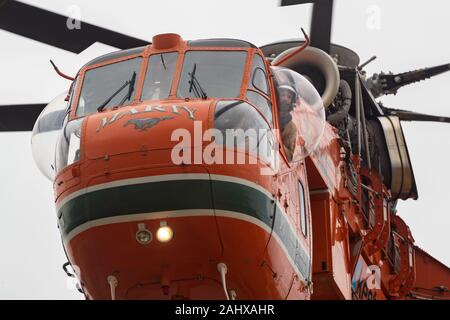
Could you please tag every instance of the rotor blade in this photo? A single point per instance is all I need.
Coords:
(53, 29)
(321, 22)
(19, 117)
(405, 115)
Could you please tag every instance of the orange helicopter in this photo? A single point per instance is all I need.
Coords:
(214, 169)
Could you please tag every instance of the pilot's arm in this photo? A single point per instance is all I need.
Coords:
(289, 136)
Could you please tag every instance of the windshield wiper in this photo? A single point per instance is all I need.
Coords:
(163, 61)
(195, 86)
(130, 89)
(129, 83)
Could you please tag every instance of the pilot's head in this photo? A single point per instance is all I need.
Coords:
(287, 97)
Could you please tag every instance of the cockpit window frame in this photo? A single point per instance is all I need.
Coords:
(252, 88)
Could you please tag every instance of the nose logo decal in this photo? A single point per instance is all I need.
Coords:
(144, 124)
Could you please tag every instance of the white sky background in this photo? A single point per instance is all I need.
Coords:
(409, 35)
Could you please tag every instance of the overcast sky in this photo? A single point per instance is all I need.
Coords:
(404, 34)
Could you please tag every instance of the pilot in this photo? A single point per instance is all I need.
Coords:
(287, 98)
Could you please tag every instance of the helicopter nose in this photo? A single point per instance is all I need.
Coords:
(157, 228)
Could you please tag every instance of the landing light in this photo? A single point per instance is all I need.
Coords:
(164, 233)
(143, 236)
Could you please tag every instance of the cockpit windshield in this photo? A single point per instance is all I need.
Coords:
(205, 74)
(212, 74)
(108, 86)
